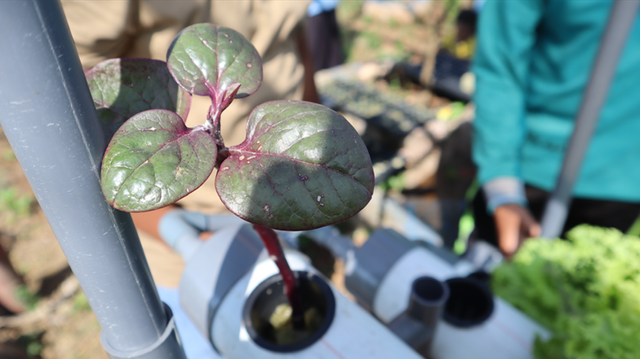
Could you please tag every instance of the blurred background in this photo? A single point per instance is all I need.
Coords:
(399, 71)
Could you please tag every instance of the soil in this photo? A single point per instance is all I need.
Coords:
(58, 322)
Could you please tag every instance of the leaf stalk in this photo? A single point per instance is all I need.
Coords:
(271, 243)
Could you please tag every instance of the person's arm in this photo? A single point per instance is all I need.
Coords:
(507, 201)
(506, 35)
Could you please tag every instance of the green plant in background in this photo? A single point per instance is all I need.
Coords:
(349, 10)
(31, 343)
(466, 223)
(586, 290)
(8, 155)
(80, 303)
(394, 183)
(635, 228)
(451, 111)
(395, 84)
(373, 40)
(29, 299)
(400, 48)
(18, 205)
(465, 227)
(452, 9)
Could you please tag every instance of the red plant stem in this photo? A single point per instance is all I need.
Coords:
(271, 243)
(213, 118)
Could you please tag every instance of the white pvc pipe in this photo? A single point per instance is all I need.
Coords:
(200, 274)
(354, 333)
(392, 296)
(507, 334)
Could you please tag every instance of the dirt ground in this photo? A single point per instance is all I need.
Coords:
(59, 322)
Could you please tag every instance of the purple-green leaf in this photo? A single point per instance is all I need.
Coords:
(302, 166)
(122, 88)
(209, 60)
(154, 160)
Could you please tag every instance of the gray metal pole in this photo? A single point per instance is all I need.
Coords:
(623, 16)
(47, 113)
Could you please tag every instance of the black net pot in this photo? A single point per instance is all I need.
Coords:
(470, 303)
(317, 297)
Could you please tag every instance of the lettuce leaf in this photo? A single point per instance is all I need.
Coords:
(585, 289)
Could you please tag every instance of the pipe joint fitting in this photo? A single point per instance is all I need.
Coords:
(167, 346)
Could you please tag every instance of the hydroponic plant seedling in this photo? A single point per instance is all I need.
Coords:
(301, 166)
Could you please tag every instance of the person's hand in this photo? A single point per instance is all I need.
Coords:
(514, 224)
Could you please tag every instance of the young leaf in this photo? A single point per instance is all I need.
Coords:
(301, 167)
(122, 88)
(208, 60)
(154, 160)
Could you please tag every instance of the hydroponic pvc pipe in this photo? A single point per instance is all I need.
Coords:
(623, 16)
(417, 325)
(506, 334)
(47, 113)
(221, 274)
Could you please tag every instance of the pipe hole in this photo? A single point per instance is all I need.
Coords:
(269, 298)
(470, 303)
(428, 289)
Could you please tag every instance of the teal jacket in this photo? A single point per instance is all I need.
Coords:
(532, 65)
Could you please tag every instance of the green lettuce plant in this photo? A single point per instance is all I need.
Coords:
(301, 166)
(586, 290)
